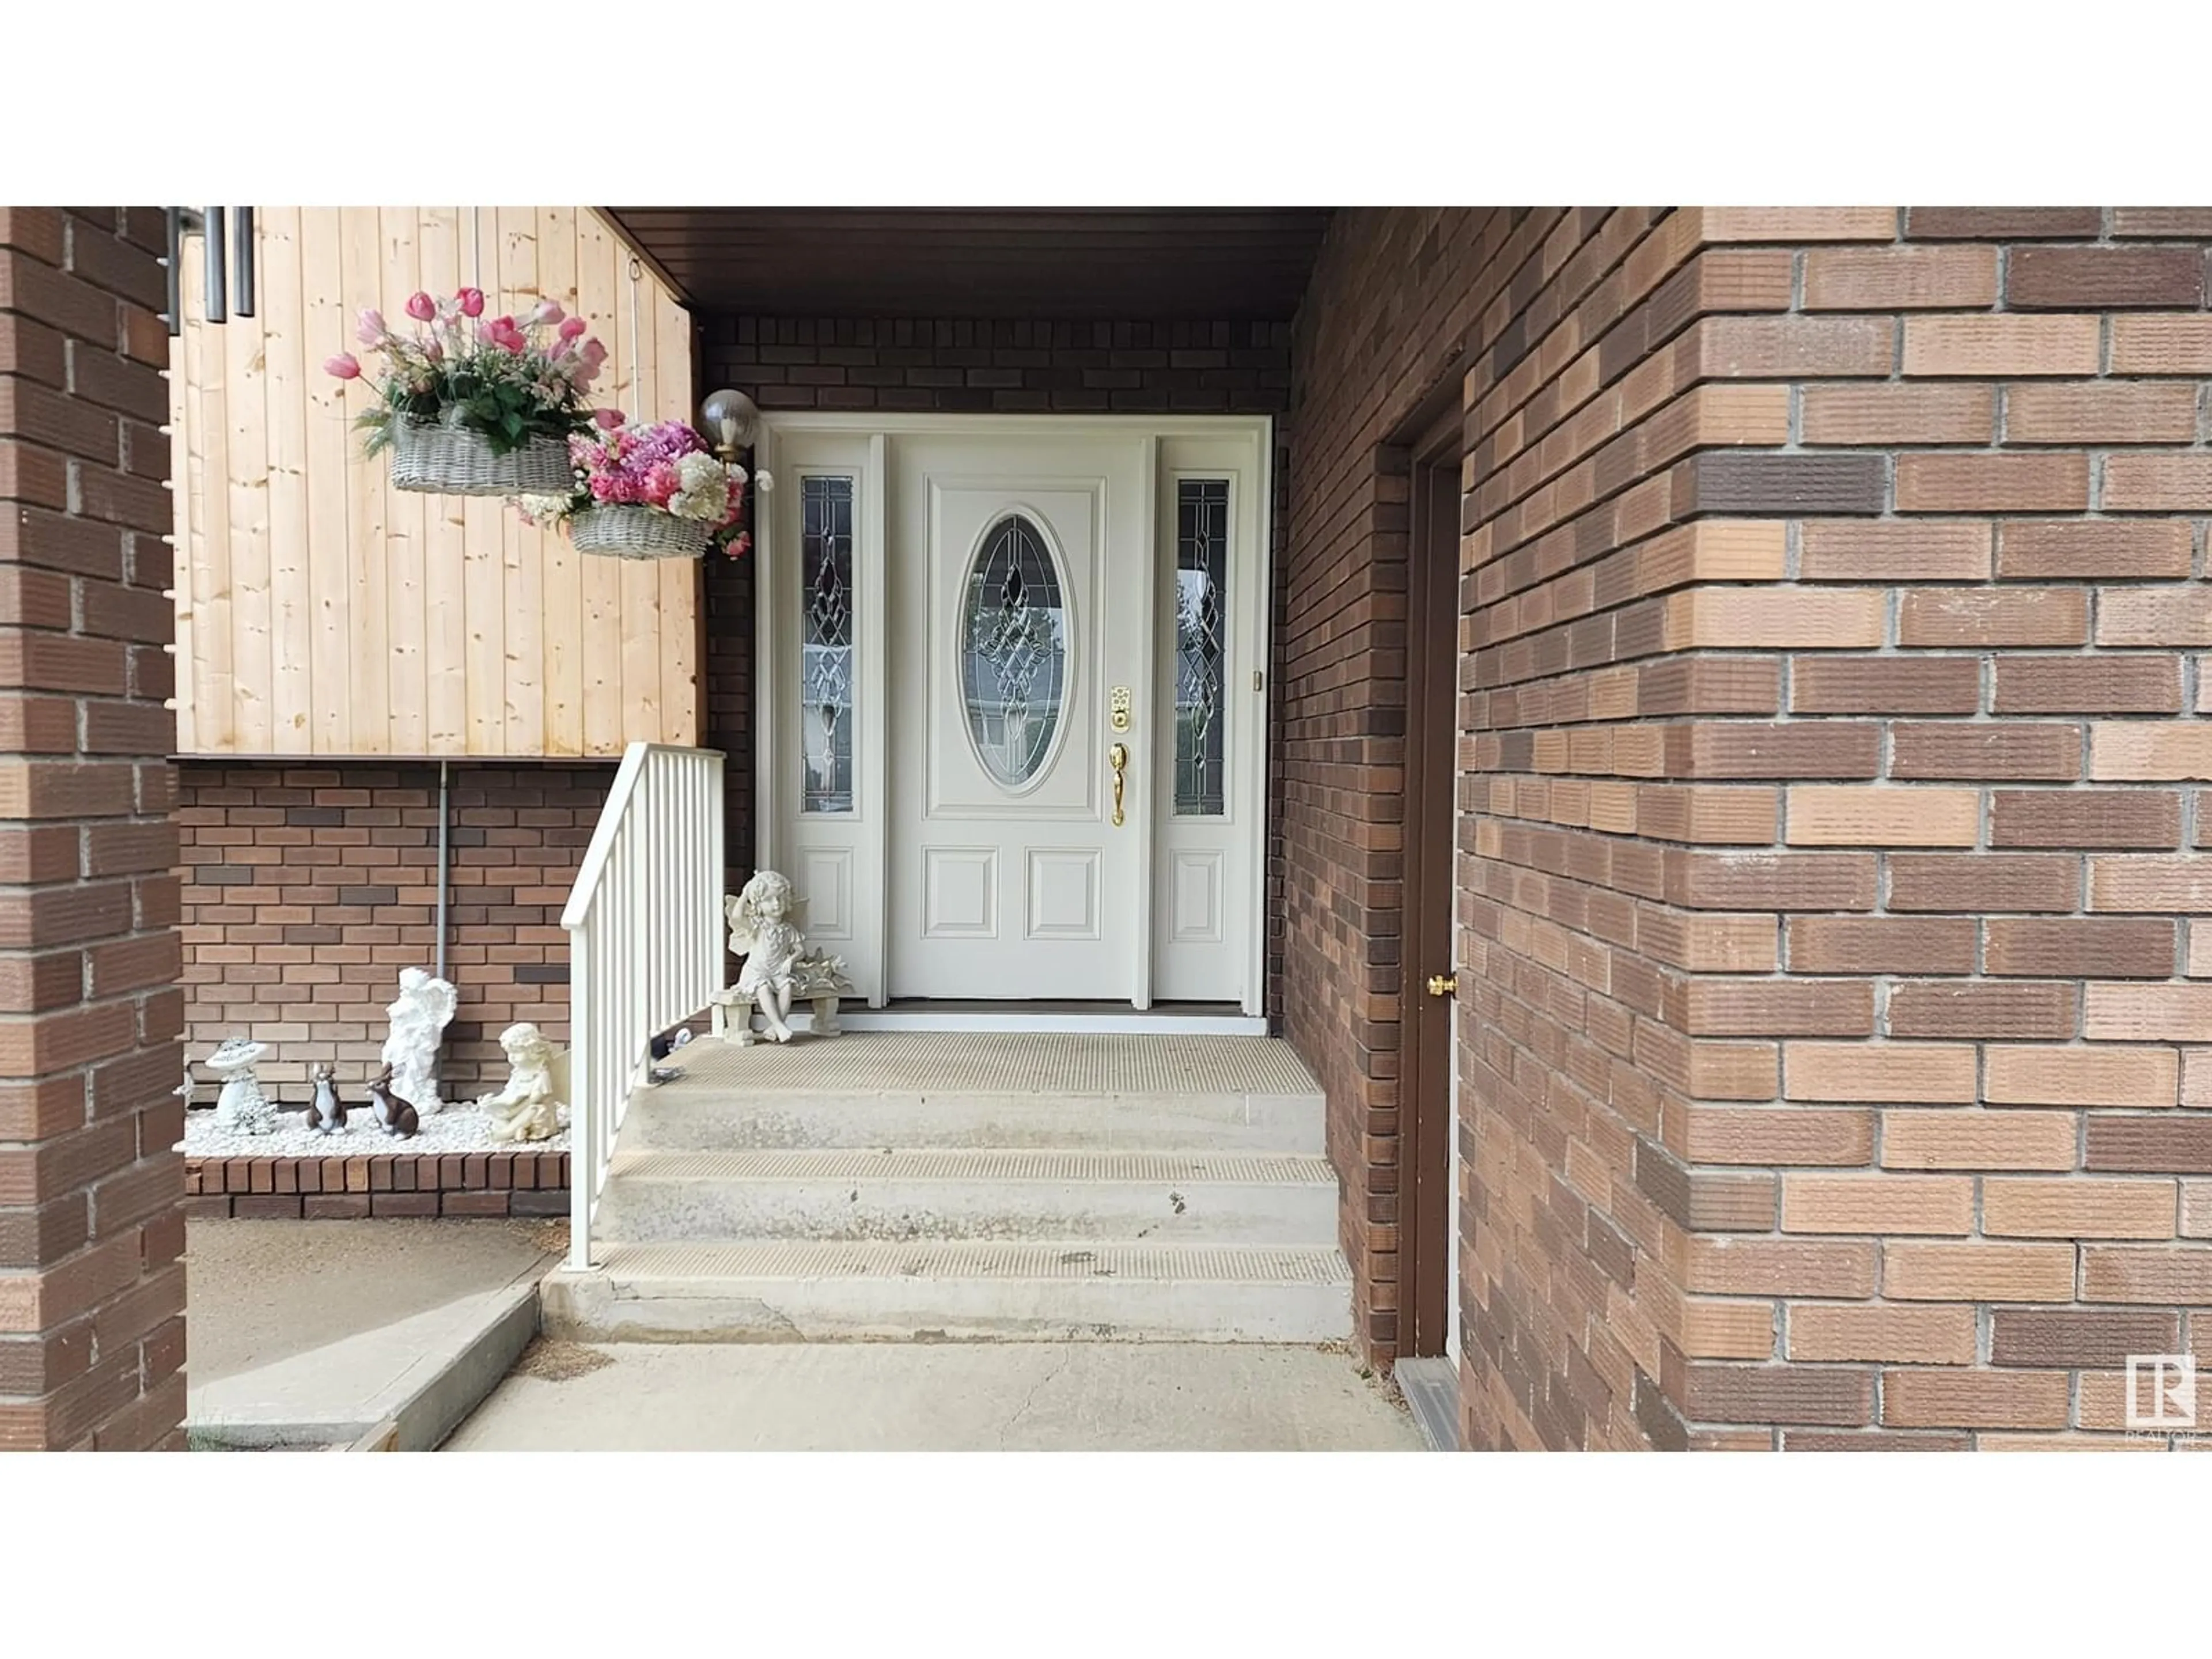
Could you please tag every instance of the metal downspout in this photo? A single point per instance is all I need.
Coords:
(445, 860)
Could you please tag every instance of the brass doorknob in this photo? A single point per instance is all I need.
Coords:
(1443, 985)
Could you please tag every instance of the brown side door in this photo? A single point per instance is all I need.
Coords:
(1431, 740)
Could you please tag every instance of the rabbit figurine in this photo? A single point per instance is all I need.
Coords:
(394, 1117)
(326, 1113)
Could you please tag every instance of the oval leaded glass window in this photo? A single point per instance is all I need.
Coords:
(1013, 657)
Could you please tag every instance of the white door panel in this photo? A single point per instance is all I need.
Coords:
(1006, 634)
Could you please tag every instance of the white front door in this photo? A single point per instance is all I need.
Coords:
(972, 631)
(1018, 589)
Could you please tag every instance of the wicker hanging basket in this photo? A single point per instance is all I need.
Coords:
(440, 459)
(639, 533)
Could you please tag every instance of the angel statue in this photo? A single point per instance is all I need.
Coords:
(764, 929)
(419, 1016)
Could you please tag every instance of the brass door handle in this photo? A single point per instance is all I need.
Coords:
(1443, 985)
(1118, 756)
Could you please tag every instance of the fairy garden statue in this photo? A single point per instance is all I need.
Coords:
(526, 1109)
(767, 921)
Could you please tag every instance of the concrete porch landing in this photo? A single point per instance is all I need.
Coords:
(1102, 1066)
(905, 1185)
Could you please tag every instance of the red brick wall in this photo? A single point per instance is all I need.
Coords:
(952, 367)
(1833, 589)
(1394, 297)
(308, 889)
(417, 1185)
(1009, 367)
(92, 1293)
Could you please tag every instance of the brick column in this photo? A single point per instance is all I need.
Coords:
(1842, 903)
(92, 1290)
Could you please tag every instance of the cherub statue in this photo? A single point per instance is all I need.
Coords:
(764, 928)
(525, 1109)
(419, 1016)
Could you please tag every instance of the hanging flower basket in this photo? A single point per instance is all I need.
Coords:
(639, 533)
(475, 406)
(443, 459)
(642, 492)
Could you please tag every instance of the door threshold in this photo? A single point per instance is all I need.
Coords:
(1045, 1019)
(1430, 1388)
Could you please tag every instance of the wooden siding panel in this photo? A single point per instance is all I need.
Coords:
(330, 448)
(481, 571)
(634, 389)
(369, 651)
(291, 587)
(680, 579)
(597, 290)
(520, 646)
(448, 257)
(561, 607)
(407, 517)
(214, 683)
(245, 412)
(319, 611)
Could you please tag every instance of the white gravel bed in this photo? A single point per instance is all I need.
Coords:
(456, 1129)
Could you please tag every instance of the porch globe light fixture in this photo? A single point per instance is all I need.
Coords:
(727, 420)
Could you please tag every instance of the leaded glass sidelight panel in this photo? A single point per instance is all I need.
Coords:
(1014, 644)
(826, 648)
(1201, 644)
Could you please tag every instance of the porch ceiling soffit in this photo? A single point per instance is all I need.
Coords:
(1084, 263)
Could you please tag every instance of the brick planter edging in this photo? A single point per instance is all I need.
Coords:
(304, 1188)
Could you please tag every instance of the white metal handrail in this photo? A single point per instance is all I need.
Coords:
(645, 947)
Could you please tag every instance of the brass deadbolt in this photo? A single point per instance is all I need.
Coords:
(1443, 985)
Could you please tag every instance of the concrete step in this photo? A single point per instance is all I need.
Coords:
(1182, 1197)
(967, 1290)
(689, 1115)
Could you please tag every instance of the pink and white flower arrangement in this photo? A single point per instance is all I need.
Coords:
(509, 380)
(665, 467)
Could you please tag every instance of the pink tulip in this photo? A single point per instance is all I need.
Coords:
(606, 419)
(572, 328)
(345, 366)
(472, 301)
(422, 307)
(372, 328)
(594, 353)
(545, 311)
(432, 351)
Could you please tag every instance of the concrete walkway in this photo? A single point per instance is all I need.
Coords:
(315, 1332)
(867, 1397)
